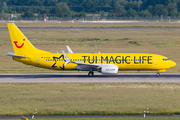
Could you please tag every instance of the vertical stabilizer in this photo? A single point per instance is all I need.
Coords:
(20, 43)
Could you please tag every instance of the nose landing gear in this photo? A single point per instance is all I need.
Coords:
(158, 74)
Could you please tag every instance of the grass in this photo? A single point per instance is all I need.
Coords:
(89, 98)
(65, 24)
(159, 41)
(120, 118)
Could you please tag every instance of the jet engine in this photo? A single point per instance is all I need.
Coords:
(108, 69)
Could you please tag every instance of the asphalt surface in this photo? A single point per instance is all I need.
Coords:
(83, 78)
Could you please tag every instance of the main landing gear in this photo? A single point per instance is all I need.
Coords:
(158, 74)
(91, 73)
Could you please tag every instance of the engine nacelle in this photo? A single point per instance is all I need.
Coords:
(108, 69)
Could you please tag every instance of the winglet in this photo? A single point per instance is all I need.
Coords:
(66, 58)
(69, 49)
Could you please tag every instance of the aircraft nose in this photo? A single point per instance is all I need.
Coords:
(172, 63)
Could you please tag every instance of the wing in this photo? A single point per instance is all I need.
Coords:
(81, 66)
(87, 66)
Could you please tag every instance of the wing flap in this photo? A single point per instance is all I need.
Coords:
(87, 64)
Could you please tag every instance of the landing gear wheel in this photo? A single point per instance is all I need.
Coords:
(91, 73)
(158, 74)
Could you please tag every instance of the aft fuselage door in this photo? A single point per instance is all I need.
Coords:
(38, 60)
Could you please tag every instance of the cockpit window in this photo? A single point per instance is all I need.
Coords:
(166, 59)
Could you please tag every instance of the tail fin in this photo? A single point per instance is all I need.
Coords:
(20, 43)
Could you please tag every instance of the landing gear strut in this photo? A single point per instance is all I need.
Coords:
(91, 73)
(158, 74)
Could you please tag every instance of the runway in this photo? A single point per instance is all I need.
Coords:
(83, 78)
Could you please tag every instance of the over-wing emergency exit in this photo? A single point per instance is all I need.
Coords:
(105, 63)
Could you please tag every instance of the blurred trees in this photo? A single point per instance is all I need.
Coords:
(62, 10)
(3, 8)
(27, 14)
(79, 8)
(117, 10)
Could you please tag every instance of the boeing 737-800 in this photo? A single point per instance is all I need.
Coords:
(105, 63)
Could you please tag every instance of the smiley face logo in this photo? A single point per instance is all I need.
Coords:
(15, 42)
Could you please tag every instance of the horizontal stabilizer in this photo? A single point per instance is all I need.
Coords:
(13, 55)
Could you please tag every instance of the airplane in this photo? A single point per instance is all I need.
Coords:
(105, 63)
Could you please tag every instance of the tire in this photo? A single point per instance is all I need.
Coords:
(158, 74)
(90, 74)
